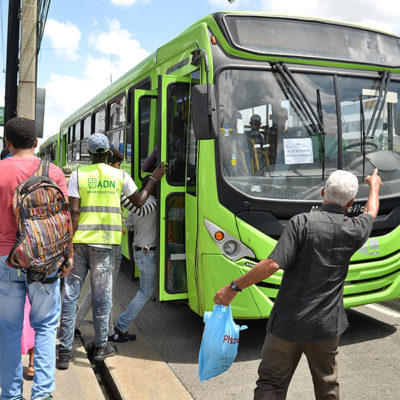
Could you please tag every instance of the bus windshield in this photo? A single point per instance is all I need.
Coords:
(305, 38)
(269, 148)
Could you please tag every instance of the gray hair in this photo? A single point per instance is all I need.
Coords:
(341, 187)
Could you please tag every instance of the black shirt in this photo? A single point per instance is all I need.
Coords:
(314, 251)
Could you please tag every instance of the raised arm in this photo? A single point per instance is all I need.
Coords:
(138, 199)
(140, 211)
(374, 183)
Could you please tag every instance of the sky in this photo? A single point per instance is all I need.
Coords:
(88, 44)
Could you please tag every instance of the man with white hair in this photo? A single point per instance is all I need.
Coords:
(308, 315)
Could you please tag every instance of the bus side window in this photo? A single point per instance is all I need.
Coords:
(99, 121)
(143, 85)
(191, 161)
(85, 135)
(116, 124)
(52, 152)
(76, 145)
(70, 141)
(178, 109)
(148, 123)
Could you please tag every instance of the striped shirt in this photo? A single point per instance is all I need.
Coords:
(144, 223)
(146, 209)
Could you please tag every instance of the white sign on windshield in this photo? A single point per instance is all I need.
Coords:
(298, 151)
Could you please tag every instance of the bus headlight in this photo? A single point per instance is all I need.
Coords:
(231, 247)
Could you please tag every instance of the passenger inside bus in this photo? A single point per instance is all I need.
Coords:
(257, 145)
(255, 130)
(151, 161)
(175, 154)
(236, 158)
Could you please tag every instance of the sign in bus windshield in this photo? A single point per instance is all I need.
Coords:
(304, 38)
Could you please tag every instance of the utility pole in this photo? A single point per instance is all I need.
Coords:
(27, 64)
(11, 89)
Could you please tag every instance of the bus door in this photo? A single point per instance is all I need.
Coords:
(140, 147)
(173, 114)
(145, 133)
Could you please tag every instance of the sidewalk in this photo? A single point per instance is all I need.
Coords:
(77, 382)
(137, 371)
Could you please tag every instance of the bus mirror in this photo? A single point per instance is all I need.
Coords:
(204, 111)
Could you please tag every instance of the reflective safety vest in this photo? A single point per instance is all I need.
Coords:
(100, 188)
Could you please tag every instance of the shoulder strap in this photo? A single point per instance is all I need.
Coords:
(43, 168)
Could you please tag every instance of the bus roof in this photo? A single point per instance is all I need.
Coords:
(218, 15)
(210, 20)
(51, 139)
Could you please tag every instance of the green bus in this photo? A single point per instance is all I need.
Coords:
(50, 150)
(252, 112)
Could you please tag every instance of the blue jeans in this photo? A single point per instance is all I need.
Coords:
(146, 264)
(98, 261)
(44, 315)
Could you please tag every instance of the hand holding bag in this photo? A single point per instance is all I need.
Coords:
(220, 342)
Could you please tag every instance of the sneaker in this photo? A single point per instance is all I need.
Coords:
(101, 353)
(121, 337)
(63, 359)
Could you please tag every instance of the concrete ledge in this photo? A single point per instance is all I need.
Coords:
(139, 372)
(82, 379)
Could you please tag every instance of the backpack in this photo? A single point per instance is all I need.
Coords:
(43, 218)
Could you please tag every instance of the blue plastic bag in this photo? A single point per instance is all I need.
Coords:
(220, 342)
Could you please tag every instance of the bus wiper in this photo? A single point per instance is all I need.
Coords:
(322, 131)
(363, 135)
(302, 100)
(380, 103)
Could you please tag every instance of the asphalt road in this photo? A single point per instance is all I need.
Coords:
(369, 353)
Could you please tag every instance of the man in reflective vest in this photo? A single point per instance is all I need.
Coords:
(94, 193)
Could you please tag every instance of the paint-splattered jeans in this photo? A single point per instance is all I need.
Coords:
(98, 261)
(86, 304)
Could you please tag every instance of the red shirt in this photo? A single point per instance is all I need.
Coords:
(13, 171)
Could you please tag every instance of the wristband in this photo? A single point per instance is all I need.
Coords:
(153, 179)
(234, 287)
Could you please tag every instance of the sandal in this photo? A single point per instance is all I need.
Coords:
(30, 371)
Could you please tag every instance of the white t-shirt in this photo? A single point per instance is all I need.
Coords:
(129, 187)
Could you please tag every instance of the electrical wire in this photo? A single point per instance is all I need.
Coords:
(43, 13)
(2, 33)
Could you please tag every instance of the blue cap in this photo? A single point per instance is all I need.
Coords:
(98, 143)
